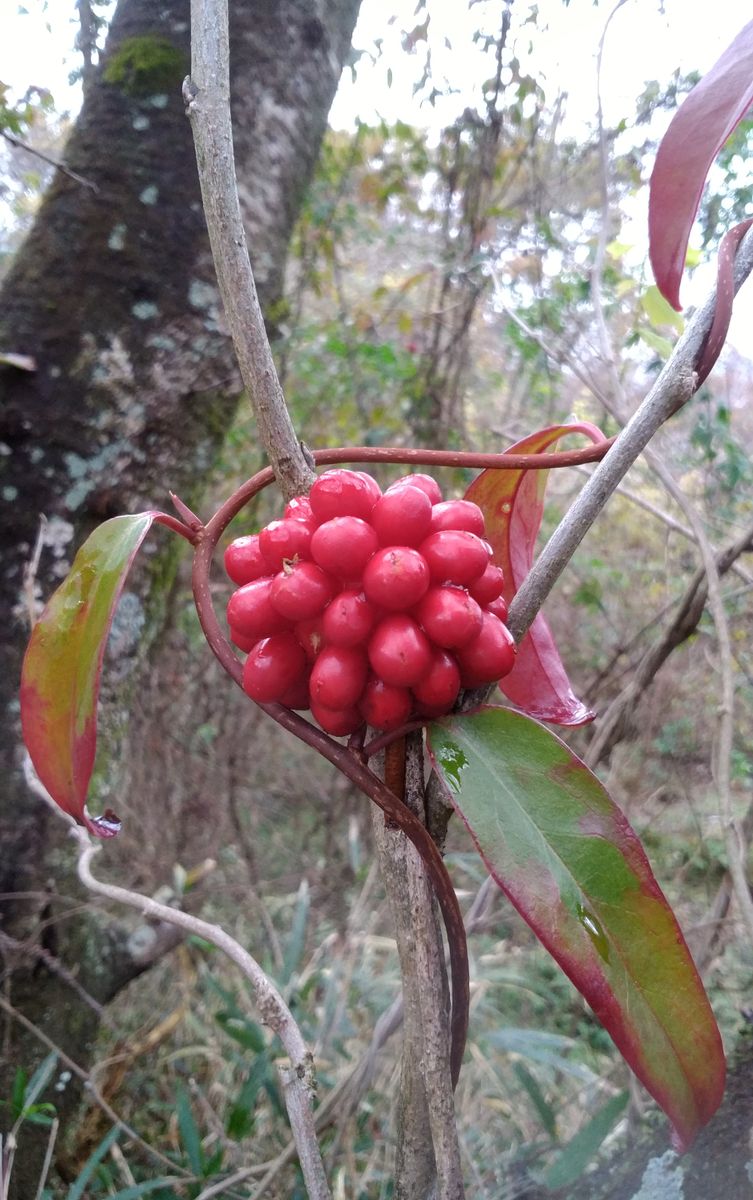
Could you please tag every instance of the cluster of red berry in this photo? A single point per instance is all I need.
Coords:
(369, 607)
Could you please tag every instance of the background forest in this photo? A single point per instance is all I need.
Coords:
(463, 275)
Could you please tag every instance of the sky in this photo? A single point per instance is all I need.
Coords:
(647, 39)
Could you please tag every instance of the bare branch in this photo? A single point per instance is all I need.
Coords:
(20, 144)
(207, 96)
(673, 388)
(297, 1079)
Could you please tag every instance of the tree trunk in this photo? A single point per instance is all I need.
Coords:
(113, 295)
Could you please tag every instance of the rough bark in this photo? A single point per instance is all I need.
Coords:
(113, 295)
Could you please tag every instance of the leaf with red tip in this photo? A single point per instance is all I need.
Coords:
(569, 861)
(512, 502)
(63, 665)
(696, 134)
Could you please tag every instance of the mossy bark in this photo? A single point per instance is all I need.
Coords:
(113, 295)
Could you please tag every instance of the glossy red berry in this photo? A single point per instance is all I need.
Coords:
(299, 509)
(396, 577)
(349, 619)
(284, 541)
(341, 493)
(402, 516)
(384, 706)
(343, 546)
(490, 655)
(455, 556)
(449, 616)
(488, 586)
(243, 643)
(337, 722)
(310, 634)
(301, 591)
(338, 676)
(371, 484)
(424, 482)
(297, 695)
(250, 611)
(458, 514)
(274, 666)
(244, 561)
(399, 651)
(438, 690)
(498, 608)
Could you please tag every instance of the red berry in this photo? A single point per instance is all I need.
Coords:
(399, 651)
(455, 556)
(338, 676)
(402, 516)
(299, 509)
(424, 482)
(396, 577)
(310, 634)
(498, 608)
(349, 619)
(251, 613)
(243, 643)
(301, 590)
(274, 665)
(244, 561)
(343, 546)
(489, 585)
(341, 493)
(438, 690)
(297, 695)
(283, 541)
(449, 616)
(371, 484)
(384, 706)
(340, 722)
(458, 514)
(489, 656)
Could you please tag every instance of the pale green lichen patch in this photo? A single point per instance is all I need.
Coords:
(150, 194)
(662, 1179)
(116, 240)
(202, 295)
(144, 310)
(159, 101)
(141, 122)
(10, 493)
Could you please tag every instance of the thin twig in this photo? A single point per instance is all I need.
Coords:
(674, 386)
(297, 1079)
(54, 1127)
(207, 97)
(19, 144)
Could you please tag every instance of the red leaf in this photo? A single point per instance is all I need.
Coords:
(696, 134)
(63, 664)
(513, 505)
(568, 860)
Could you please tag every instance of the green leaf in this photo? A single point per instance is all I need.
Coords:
(544, 1110)
(189, 1134)
(576, 1155)
(570, 863)
(659, 311)
(63, 664)
(76, 1190)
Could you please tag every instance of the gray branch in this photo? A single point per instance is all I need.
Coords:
(673, 388)
(207, 97)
